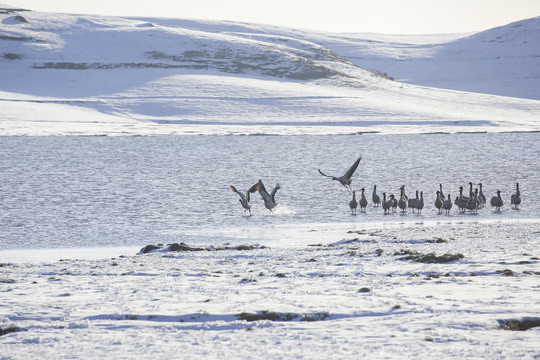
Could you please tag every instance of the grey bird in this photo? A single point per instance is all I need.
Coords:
(440, 189)
(481, 195)
(447, 204)
(345, 179)
(420, 203)
(375, 198)
(474, 202)
(461, 201)
(385, 204)
(363, 200)
(412, 202)
(269, 199)
(515, 199)
(353, 204)
(439, 202)
(244, 199)
(393, 202)
(403, 199)
(497, 201)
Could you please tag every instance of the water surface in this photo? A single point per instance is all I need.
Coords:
(59, 192)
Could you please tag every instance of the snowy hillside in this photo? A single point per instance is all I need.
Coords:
(83, 74)
(501, 61)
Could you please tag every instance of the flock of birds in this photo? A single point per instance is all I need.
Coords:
(475, 199)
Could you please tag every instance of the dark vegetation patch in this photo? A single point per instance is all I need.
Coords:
(12, 56)
(8, 330)
(15, 38)
(430, 258)
(276, 316)
(437, 240)
(519, 325)
(247, 281)
(7, 281)
(177, 247)
(506, 272)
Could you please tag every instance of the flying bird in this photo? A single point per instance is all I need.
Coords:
(269, 199)
(346, 179)
(244, 199)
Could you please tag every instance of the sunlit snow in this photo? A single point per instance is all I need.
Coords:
(309, 280)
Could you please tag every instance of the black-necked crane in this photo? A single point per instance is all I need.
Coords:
(345, 179)
(244, 199)
(269, 199)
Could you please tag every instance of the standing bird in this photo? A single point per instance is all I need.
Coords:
(420, 203)
(346, 179)
(363, 201)
(412, 202)
(244, 199)
(375, 198)
(439, 202)
(403, 199)
(269, 199)
(385, 204)
(497, 201)
(474, 203)
(447, 204)
(393, 202)
(461, 200)
(515, 199)
(481, 195)
(440, 189)
(353, 203)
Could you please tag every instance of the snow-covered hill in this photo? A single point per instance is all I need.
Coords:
(83, 74)
(501, 61)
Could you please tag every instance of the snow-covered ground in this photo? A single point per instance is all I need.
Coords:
(373, 292)
(80, 74)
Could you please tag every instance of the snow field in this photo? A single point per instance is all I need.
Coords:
(354, 295)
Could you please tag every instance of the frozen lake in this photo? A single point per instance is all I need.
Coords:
(64, 192)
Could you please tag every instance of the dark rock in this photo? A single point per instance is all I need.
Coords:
(148, 248)
(519, 325)
(8, 330)
(183, 247)
(430, 258)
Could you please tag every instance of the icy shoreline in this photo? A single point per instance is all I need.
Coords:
(360, 293)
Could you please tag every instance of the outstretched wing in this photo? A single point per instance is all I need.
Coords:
(258, 186)
(323, 174)
(242, 196)
(261, 189)
(352, 169)
(273, 194)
